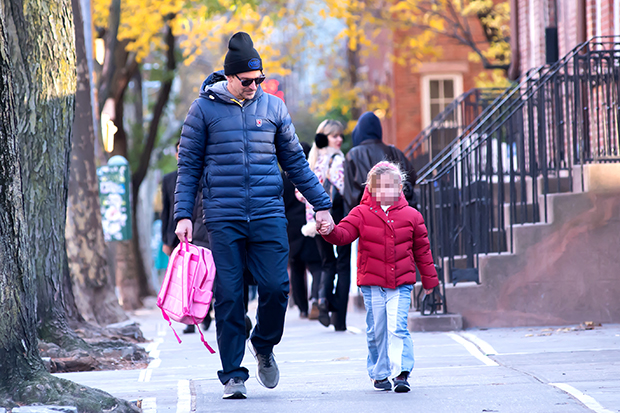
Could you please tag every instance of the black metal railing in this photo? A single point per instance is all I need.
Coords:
(497, 174)
(450, 123)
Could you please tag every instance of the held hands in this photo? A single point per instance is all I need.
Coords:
(324, 222)
(184, 230)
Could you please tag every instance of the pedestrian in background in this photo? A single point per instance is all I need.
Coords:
(232, 140)
(168, 226)
(327, 162)
(303, 253)
(393, 241)
(368, 149)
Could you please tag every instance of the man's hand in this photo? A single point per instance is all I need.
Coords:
(324, 222)
(166, 249)
(184, 230)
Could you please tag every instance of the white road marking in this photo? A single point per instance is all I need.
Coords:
(149, 405)
(588, 401)
(472, 349)
(184, 398)
(161, 329)
(145, 375)
(486, 348)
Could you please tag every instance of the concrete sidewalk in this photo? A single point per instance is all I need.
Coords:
(497, 370)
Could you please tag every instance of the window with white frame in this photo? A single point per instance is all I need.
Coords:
(438, 91)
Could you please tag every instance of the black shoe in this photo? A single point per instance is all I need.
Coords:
(234, 389)
(401, 385)
(303, 314)
(324, 318)
(382, 384)
(206, 323)
(248, 327)
(189, 329)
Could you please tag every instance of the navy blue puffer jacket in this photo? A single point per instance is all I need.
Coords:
(235, 147)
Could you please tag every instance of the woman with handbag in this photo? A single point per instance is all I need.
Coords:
(327, 162)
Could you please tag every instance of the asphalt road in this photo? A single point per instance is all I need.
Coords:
(544, 370)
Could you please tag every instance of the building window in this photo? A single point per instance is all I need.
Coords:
(438, 91)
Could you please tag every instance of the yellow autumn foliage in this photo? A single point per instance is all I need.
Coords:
(202, 27)
(365, 20)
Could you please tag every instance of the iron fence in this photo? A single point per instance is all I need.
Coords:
(459, 115)
(497, 174)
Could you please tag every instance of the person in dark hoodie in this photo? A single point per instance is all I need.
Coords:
(232, 140)
(368, 149)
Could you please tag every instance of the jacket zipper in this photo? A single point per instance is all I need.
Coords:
(247, 165)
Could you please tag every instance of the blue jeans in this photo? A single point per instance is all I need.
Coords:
(390, 347)
(262, 246)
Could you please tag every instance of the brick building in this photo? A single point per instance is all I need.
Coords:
(421, 92)
(540, 24)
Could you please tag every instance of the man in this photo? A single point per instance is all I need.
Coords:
(368, 149)
(233, 138)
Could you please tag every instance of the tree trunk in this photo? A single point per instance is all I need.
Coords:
(94, 294)
(131, 277)
(352, 67)
(43, 59)
(24, 379)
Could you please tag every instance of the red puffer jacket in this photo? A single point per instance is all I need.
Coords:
(390, 246)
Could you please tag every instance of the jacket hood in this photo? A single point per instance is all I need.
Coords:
(368, 127)
(368, 199)
(216, 84)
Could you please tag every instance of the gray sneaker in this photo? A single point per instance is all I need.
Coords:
(267, 372)
(235, 389)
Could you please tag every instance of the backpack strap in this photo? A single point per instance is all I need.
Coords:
(185, 284)
(170, 324)
(202, 337)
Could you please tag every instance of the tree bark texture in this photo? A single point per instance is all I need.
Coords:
(19, 356)
(352, 68)
(43, 55)
(24, 379)
(86, 250)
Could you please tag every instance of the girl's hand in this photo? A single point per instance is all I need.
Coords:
(325, 229)
(427, 292)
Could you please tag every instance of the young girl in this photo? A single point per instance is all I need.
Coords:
(393, 240)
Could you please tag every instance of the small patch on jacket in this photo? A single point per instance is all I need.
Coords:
(259, 122)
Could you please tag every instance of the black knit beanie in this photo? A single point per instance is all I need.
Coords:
(242, 56)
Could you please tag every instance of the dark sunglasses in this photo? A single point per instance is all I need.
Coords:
(248, 82)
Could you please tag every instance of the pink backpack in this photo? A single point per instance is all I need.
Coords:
(186, 292)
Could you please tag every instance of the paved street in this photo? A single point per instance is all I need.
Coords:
(497, 370)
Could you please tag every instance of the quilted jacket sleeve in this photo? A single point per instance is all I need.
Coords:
(191, 162)
(422, 253)
(347, 230)
(291, 158)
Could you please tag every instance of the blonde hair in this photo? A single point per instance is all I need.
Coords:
(327, 127)
(385, 168)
